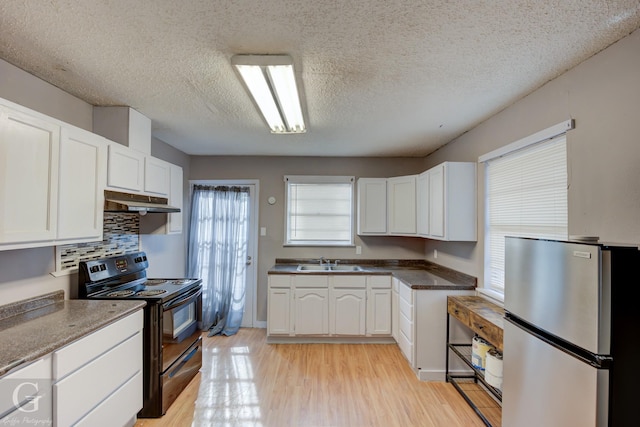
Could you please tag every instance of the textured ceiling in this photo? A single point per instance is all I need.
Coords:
(381, 78)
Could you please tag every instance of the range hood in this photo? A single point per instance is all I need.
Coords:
(126, 202)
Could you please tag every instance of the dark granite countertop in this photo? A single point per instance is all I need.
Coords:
(417, 274)
(32, 328)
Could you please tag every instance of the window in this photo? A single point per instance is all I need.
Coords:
(525, 196)
(319, 210)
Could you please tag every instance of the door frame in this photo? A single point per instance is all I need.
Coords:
(252, 279)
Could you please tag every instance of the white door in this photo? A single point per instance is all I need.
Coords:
(250, 272)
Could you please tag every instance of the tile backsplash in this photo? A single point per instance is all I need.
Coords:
(121, 236)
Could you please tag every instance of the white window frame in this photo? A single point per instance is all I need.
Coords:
(490, 289)
(313, 179)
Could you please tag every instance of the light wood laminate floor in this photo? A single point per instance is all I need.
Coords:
(246, 382)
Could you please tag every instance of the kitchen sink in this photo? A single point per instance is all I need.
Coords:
(346, 268)
(324, 267)
(313, 267)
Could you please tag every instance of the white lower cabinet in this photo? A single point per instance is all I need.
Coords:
(97, 380)
(379, 305)
(395, 327)
(348, 309)
(25, 394)
(348, 305)
(310, 304)
(311, 307)
(329, 305)
(421, 336)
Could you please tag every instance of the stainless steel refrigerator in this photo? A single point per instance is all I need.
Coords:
(571, 336)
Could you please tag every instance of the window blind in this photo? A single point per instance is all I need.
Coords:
(526, 197)
(319, 213)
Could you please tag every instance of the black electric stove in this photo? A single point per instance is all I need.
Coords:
(172, 352)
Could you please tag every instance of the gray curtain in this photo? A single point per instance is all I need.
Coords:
(217, 253)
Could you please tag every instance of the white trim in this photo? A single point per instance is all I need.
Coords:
(315, 179)
(543, 135)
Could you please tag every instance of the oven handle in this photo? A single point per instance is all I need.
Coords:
(182, 301)
(184, 361)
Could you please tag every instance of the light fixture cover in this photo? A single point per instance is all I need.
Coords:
(270, 79)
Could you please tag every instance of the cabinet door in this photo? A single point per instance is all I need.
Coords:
(348, 312)
(311, 311)
(157, 176)
(402, 204)
(437, 202)
(174, 220)
(29, 150)
(372, 206)
(379, 312)
(125, 168)
(395, 313)
(279, 308)
(83, 162)
(422, 204)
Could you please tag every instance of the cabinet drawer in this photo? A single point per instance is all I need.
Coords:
(486, 330)
(96, 381)
(38, 376)
(83, 351)
(311, 281)
(406, 309)
(280, 280)
(458, 311)
(344, 281)
(406, 328)
(406, 347)
(382, 282)
(118, 408)
(405, 293)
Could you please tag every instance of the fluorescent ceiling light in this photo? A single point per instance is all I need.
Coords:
(270, 80)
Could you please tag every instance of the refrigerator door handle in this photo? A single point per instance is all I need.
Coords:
(599, 361)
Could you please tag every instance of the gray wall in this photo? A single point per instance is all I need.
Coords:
(270, 172)
(167, 254)
(602, 95)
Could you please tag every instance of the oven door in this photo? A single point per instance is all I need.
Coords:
(181, 316)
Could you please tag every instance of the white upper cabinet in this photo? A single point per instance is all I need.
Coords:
(438, 204)
(29, 150)
(422, 204)
(157, 176)
(52, 180)
(401, 192)
(372, 206)
(174, 221)
(125, 168)
(83, 165)
(452, 202)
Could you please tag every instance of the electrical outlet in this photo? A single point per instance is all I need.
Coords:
(358, 250)
(263, 231)
(435, 254)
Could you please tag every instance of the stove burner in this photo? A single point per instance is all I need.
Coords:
(125, 293)
(180, 281)
(151, 292)
(154, 282)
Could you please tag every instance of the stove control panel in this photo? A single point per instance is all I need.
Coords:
(96, 268)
